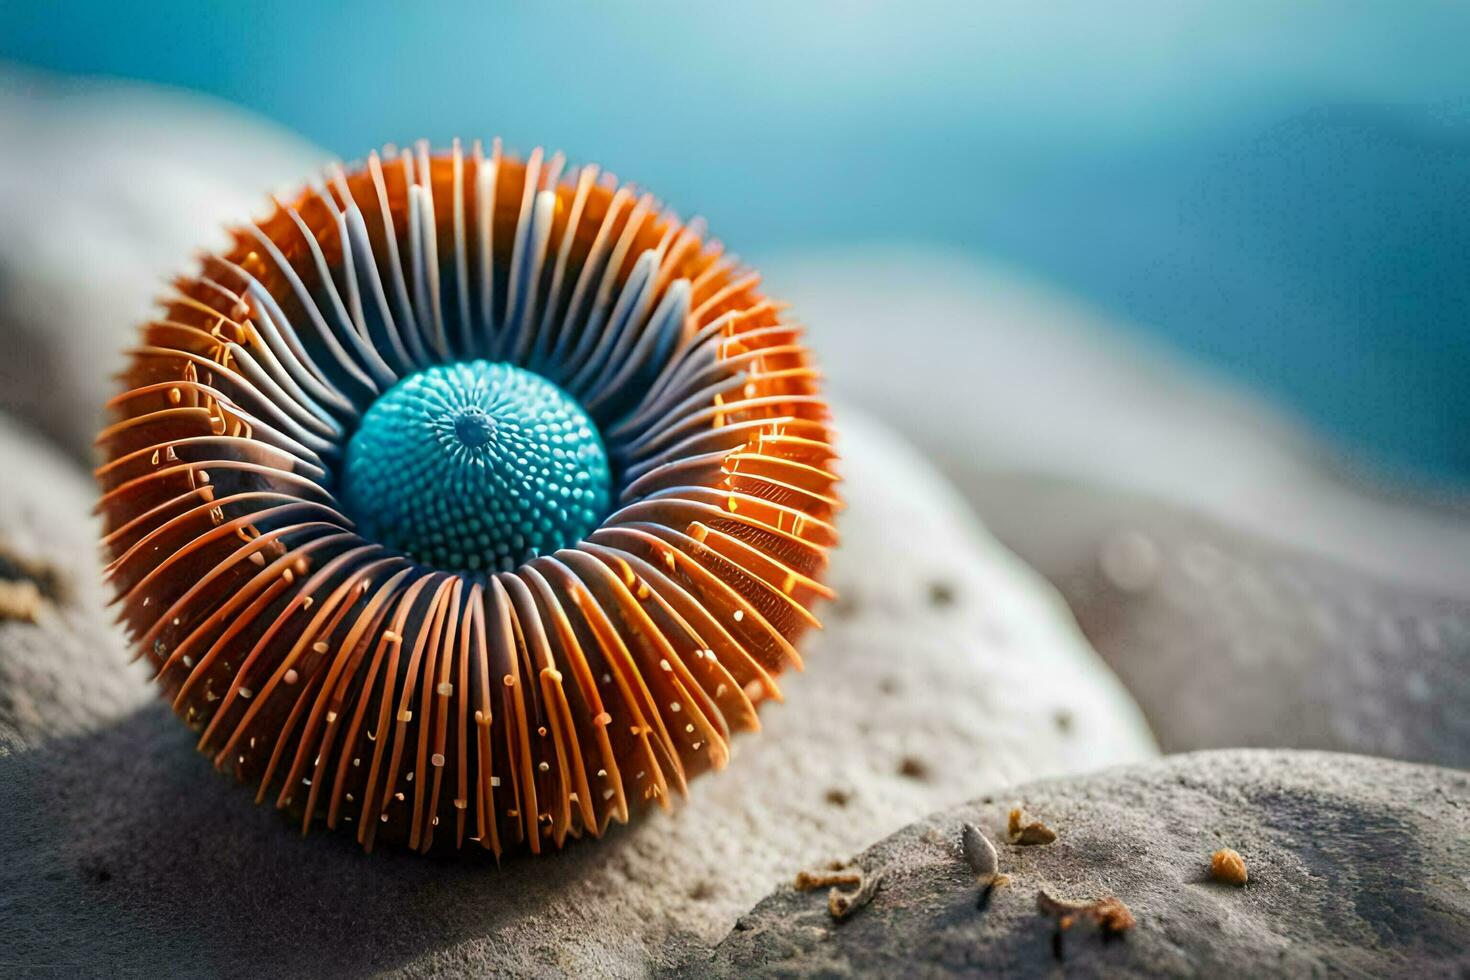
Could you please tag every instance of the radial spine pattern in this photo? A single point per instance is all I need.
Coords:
(554, 605)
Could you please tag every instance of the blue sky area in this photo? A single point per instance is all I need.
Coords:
(1280, 190)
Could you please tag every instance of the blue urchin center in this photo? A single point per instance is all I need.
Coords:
(476, 466)
(474, 428)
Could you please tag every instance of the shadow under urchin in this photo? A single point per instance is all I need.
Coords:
(468, 499)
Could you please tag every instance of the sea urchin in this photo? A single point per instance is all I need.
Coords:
(466, 497)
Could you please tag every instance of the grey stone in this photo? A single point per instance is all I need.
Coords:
(63, 670)
(1357, 867)
(1229, 639)
(948, 669)
(1252, 586)
(107, 189)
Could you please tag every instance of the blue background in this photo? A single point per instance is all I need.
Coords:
(1281, 190)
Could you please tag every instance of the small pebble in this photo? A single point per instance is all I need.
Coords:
(20, 601)
(979, 853)
(982, 859)
(1227, 866)
(1109, 915)
(1032, 833)
(841, 904)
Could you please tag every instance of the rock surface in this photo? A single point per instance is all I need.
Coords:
(1250, 588)
(947, 670)
(63, 669)
(1357, 867)
(105, 191)
(1228, 639)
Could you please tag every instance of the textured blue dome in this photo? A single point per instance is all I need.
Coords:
(476, 466)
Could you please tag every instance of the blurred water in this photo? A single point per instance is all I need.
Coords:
(1278, 189)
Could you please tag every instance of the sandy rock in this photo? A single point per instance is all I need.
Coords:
(947, 671)
(63, 668)
(1228, 639)
(105, 191)
(1356, 867)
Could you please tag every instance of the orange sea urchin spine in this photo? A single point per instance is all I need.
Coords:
(499, 674)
